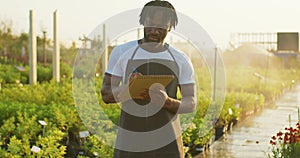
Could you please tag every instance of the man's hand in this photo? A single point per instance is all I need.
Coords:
(187, 103)
(157, 94)
(134, 75)
(124, 93)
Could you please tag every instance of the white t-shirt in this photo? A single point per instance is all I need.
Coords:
(186, 71)
(117, 52)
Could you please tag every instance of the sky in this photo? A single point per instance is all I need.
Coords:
(219, 18)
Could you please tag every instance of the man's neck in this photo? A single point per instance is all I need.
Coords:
(153, 46)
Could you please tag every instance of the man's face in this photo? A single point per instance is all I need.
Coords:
(156, 28)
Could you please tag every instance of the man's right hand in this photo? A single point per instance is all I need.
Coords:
(124, 93)
(134, 75)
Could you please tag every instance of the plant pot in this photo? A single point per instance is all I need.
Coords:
(234, 121)
(229, 126)
(219, 131)
(196, 150)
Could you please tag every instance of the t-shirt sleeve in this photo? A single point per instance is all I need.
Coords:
(118, 69)
(113, 59)
(186, 73)
(115, 55)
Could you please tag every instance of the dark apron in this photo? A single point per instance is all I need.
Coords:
(140, 116)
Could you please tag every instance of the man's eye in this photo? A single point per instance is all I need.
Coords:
(162, 27)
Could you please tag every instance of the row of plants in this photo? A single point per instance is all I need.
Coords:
(19, 73)
(20, 130)
(53, 102)
(257, 81)
(248, 89)
(22, 107)
(246, 94)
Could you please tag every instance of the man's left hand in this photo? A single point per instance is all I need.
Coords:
(158, 94)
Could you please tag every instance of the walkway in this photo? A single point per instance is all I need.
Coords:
(250, 138)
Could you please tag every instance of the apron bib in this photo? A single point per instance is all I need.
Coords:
(142, 116)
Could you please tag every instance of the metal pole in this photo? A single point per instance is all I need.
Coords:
(32, 50)
(105, 54)
(215, 75)
(290, 120)
(44, 48)
(56, 53)
(298, 113)
(43, 130)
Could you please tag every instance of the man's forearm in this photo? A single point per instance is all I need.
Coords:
(185, 105)
(110, 88)
(116, 94)
(109, 95)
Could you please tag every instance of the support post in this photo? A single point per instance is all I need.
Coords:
(44, 48)
(32, 49)
(56, 52)
(105, 54)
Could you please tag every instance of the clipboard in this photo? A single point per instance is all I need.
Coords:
(139, 84)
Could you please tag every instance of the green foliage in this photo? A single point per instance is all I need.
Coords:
(39, 94)
(95, 148)
(22, 105)
(15, 146)
(271, 85)
(10, 43)
(26, 125)
(197, 132)
(21, 131)
(50, 146)
(7, 129)
(10, 74)
(247, 102)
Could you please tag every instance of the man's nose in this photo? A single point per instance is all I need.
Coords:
(153, 30)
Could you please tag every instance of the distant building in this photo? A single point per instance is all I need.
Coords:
(250, 55)
(273, 42)
(284, 45)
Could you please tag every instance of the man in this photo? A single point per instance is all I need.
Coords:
(150, 127)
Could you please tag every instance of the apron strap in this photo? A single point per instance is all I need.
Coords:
(166, 45)
(135, 52)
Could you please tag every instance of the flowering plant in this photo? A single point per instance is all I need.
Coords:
(286, 144)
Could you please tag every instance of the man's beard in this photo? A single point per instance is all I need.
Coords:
(153, 38)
